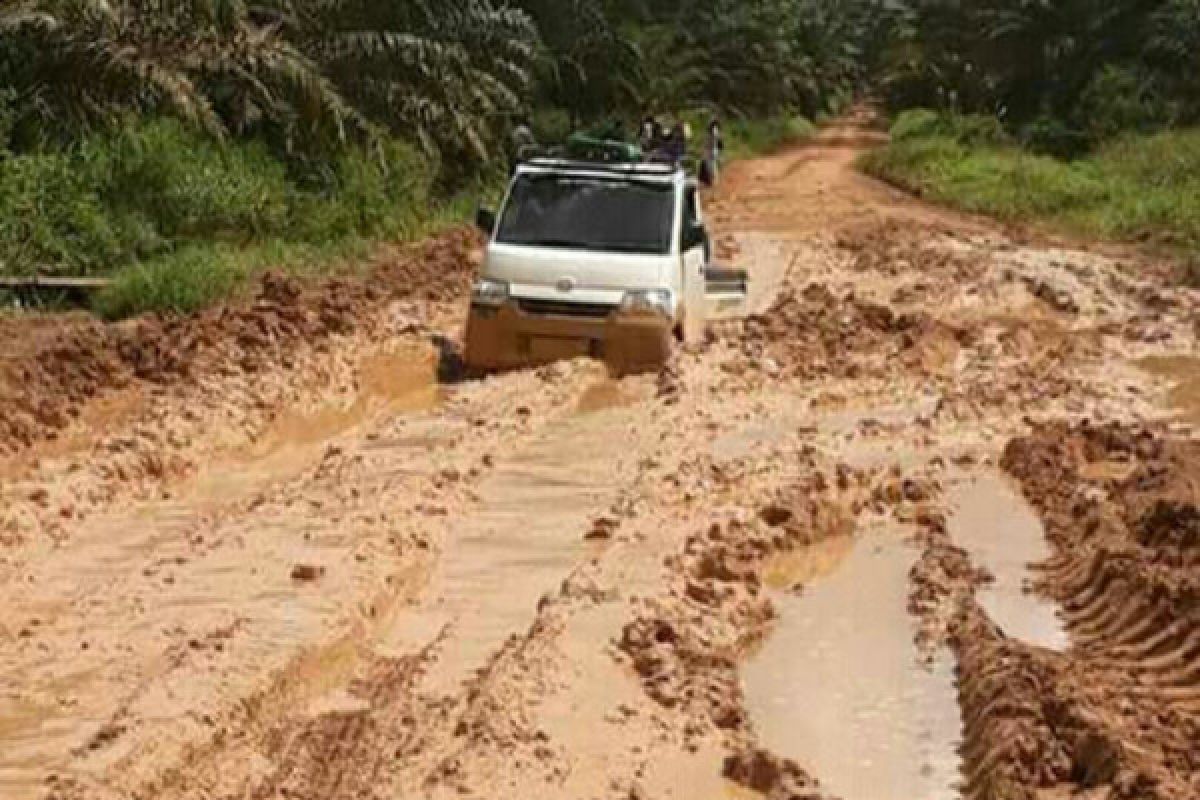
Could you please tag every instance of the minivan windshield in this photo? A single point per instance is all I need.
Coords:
(589, 214)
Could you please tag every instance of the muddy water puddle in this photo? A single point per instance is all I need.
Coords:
(1184, 374)
(399, 382)
(604, 395)
(839, 686)
(1003, 534)
(390, 382)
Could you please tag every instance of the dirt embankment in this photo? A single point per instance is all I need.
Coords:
(46, 381)
(265, 553)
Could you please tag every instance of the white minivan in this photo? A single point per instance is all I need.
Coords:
(609, 260)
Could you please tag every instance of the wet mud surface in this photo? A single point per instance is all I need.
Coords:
(922, 525)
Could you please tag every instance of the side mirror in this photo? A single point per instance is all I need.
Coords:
(485, 220)
(694, 235)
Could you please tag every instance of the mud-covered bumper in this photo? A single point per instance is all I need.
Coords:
(508, 337)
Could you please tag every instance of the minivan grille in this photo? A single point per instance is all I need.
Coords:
(558, 308)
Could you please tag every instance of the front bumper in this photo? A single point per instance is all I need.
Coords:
(511, 337)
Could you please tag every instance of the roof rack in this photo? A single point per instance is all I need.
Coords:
(582, 151)
(639, 168)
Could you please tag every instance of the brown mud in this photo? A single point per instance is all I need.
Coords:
(923, 524)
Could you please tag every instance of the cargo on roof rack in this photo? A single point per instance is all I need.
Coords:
(630, 170)
(583, 152)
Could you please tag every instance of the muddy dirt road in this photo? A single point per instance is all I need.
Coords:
(923, 526)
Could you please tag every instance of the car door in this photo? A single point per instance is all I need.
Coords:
(694, 255)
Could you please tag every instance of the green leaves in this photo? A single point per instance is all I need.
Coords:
(306, 74)
(80, 64)
(1051, 67)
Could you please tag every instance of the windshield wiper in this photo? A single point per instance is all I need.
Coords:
(645, 248)
(610, 247)
(550, 242)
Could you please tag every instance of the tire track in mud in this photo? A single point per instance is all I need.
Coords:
(345, 752)
(100, 414)
(369, 518)
(1115, 714)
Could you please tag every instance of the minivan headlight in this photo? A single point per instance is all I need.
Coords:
(649, 301)
(492, 294)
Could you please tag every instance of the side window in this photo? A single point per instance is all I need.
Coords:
(691, 208)
(690, 218)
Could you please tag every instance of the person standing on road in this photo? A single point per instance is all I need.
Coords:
(677, 144)
(648, 134)
(712, 148)
(523, 142)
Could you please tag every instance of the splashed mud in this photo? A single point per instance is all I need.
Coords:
(1183, 373)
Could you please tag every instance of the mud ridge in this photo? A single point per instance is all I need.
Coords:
(1114, 716)
(816, 333)
(45, 385)
(686, 644)
(1121, 510)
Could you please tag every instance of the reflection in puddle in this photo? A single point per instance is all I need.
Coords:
(396, 382)
(1184, 372)
(839, 688)
(1002, 534)
(603, 395)
(798, 568)
(399, 382)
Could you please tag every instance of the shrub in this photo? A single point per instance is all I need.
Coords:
(180, 282)
(550, 126)
(1143, 187)
(381, 192)
(1169, 159)
(8, 117)
(967, 129)
(1050, 135)
(915, 124)
(1118, 100)
(187, 185)
(745, 137)
(51, 220)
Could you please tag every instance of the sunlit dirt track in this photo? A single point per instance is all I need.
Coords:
(924, 525)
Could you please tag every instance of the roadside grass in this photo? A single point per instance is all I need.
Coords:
(1138, 187)
(179, 221)
(745, 138)
(205, 273)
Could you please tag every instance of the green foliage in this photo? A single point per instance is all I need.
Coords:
(748, 137)
(374, 193)
(51, 220)
(8, 117)
(77, 65)
(967, 129)
(447, 75)
(158, 189)
(181, 282)
(183, 185)
(759, 58)
(1138, 187)
(1120, 99)
(1064, 75)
